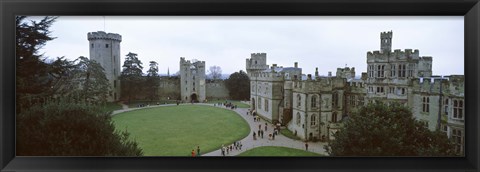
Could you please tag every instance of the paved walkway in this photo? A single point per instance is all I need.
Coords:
(280, 140)
(248, 142)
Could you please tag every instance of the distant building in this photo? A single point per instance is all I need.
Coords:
(192, 80)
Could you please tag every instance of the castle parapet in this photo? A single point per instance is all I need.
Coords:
(103, 35)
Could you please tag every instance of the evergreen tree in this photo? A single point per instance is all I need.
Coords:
(153, 81)
(380, 130)
(66, 128)
(131, 76)
(238, 85)
(33, 81)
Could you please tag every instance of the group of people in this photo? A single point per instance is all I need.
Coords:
(234, 146)
(196, 153)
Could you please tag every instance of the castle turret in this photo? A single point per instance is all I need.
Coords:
(105, 49)
(386, 41)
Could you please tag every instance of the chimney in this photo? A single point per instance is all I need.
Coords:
(329, 74)
(296, 64)
(316, 72)
(309, 76)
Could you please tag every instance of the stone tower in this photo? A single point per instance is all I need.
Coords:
(105, 49)
(256, 63)
(386, 41)
(192, 80)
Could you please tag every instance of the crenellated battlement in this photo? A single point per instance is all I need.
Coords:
(385, 35)
(407, 53)
(103, 35)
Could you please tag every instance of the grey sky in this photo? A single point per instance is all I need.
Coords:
(315, 41)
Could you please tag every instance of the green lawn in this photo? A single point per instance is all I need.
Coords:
(235, 102)
(289, 134)
(277, 151)
(176, 130)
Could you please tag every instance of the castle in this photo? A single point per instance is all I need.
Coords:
(313, 107)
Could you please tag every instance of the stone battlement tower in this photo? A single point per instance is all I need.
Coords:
(105, 49)
(386, 41)
(192, 80)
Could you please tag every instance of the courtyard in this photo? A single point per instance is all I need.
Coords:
(171, 130)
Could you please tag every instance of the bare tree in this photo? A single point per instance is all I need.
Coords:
(215, 72)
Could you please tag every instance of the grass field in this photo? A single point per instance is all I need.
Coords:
(176, 130)
(289, 134)
(235, 102)
(277, 151)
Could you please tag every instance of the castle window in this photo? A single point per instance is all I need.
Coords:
(371, 71)
(402, 70)
(114, 83)
(313, 120)
(299, 100)
(446, 107)
(391, 90)
(259, 103)
(92, 46)
(410, 69)
(352, 101)
(106, 45)
(380, 90)
(380, 71)
(458, 109)
(255, 62)
(458, 139)
(426, 104)
(334, 117)
(298, 118)
(393, 71)
(266, 105)
(335, 100)
(314, 101)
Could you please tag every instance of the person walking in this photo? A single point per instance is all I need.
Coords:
(254, 136)
(193, 153)
(306, 146)
(261, 132)
(223, 150)
(260, 126)
(273, 136)
(198, 150)
(265, 126)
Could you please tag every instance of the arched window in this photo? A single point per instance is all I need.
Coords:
(334, 117)
(298, 119)
(314, 101)
(299, 100)
(313, 120)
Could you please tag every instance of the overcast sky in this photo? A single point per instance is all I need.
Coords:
(315, 41)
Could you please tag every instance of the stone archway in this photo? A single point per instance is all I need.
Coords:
(194, 97)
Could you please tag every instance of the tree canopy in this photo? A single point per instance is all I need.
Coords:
(215, 72)
(153, 81)
(131, 76)
(66, 128)
(381, 130)
(238, 85)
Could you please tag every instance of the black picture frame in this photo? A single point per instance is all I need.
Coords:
(470, 9)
